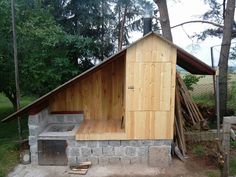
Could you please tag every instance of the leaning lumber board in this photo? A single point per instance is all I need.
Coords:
(179, 121)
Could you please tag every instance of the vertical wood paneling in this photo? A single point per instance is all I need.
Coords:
(142, 89)
(100, 95)
(150, 83)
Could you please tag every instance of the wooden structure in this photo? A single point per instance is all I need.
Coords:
(227, 122)
(131, 95)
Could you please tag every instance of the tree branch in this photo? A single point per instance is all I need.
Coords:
(198, 21)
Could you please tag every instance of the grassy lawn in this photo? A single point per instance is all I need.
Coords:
(203, 91)
(9, 156)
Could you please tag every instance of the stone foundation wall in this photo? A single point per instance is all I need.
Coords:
(38, 122)
(124, 152)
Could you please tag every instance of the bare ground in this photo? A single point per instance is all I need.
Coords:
(176, 169)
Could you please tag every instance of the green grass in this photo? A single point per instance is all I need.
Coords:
(232, 166)
(203, 92)
(206, 99)
(212, 173)
(232, 162)
(198, 150)
(9, 155)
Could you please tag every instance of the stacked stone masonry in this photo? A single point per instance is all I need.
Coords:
(38, 122)
(108, 152)
(124, 152)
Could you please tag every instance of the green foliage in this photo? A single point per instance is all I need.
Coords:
(190, 80)
(212, 173)
(232, 166)
(59, 39)
(233, 144)
(9, 155)
(47, 55)
(205, 99)
(198, 150)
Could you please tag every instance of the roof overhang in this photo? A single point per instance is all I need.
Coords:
(192, 64)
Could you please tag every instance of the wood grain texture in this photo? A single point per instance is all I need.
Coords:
(101, 130)
(140, 87)
(100, 95)
(150, 89)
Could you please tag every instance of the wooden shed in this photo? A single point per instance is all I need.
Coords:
(129, 96)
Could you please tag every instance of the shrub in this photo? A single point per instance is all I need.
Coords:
(190, 80)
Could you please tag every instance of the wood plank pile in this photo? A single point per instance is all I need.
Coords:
(80, 169)
(187, 116)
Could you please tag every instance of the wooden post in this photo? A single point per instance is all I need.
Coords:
(16, 65)
(217, 102)
(226, 143)
(213, 77)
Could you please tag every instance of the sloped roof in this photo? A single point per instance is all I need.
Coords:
(184, 60)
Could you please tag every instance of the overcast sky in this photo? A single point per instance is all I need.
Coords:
(186, 10)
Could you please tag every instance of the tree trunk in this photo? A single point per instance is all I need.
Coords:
(12, 98)
(122, 26)
(164, 19)
(16, 65)
(224, 55)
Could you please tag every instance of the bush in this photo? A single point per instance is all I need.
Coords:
(190, 80)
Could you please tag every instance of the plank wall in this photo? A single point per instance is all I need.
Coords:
(150, 89)
(100, 94)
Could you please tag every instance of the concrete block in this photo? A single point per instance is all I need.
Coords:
(69, 118)
(59, 119)
(114, 143)
(34, 148)
(130, 151)
(94, 160)
(135, 143)
(97, 151)
(45, 112)
(167, 142)
(159, 156)
(33, 119)
(34, 159)
(81, 143)
(52, 119)
(125, 160)
(92, 143)
(108, 151)
(119, 151)
(73, 151)
(114, 160)
(71, 142)
(142, 151)
(85, 152)
(103, 160)
(135, 160)
(34, 130)
(103, 143)
(158, 143)
(32, 140)
(125, 143)
(146, 142)
(72, 160)
(81, 159)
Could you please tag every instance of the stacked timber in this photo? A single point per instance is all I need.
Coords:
(187, 115)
